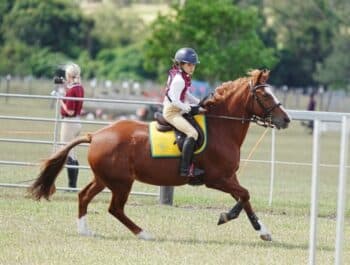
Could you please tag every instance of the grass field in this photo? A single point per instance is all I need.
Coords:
(45, 232)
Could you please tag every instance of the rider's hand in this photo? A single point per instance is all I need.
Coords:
(202, 110)
(201, 103)
(194, 110)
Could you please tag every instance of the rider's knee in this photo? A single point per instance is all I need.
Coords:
(193, 134)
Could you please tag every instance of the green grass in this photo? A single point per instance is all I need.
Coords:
(45, 232)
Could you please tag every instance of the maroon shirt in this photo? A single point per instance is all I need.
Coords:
(76, 91)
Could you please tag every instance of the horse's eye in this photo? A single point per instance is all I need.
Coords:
(266, 95)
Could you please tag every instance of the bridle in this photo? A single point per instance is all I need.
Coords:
(265, 120)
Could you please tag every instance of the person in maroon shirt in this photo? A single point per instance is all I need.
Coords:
(70, 111)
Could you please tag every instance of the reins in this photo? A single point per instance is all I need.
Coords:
(264, 122)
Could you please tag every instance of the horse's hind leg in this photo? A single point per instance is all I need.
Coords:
(120, 195)
(85, 197)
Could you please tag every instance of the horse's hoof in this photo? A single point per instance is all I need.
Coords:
(223, 218)
(143, 235)
(266, 237)
(86, 233)
(264, 232)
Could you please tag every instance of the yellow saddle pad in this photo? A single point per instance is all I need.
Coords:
(162, 143)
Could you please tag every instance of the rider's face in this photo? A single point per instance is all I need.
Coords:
(189, 68)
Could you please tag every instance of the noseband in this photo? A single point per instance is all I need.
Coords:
(266, 119)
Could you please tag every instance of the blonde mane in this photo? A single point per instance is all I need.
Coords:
(226, 89)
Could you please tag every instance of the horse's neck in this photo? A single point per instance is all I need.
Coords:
(233, 129)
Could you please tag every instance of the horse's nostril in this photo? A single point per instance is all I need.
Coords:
(287, 119)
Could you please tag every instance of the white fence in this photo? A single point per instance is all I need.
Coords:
(55, 142)
(318, 117)
(344, 119)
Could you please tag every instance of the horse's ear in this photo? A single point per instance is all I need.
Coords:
(263, 76)
(255, 75)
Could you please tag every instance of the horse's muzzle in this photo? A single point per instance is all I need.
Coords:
(281, 122)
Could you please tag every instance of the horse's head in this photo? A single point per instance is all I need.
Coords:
(250, 97)
(263, 104)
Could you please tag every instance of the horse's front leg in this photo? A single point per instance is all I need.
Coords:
(256, 223)
(232, 186)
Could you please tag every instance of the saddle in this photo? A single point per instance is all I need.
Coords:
(163, 126)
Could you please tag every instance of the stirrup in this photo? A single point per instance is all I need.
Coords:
(196, 172)
(192, 172)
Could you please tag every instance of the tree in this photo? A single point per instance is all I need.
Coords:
(5, 7)
(122, 63)
(304, 31)
(114, 28)
(334, 72)
(224, 36)
(54, 24)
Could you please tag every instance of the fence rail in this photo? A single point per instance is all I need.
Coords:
(317, 117)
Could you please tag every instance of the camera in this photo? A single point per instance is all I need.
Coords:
(58, 80)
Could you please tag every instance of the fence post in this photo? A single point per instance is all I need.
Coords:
(344, 146)
(273, 159)
(166, 195)
(8, 80)
(314, 192)
(57, 116)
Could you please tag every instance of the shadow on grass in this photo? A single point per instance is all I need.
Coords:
(254, 244)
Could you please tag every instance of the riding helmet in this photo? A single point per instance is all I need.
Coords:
(186, 55)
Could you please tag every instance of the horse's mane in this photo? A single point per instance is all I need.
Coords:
(226, 89)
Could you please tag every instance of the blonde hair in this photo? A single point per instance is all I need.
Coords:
(73, 71)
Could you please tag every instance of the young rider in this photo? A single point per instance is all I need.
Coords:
(178, 100)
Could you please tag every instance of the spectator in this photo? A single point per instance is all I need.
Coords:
(311, 107)
(70, 111)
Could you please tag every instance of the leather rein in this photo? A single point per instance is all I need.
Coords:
(265, 120)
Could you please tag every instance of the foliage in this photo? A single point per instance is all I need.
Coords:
(224, 35)
(303, 42)
(122, 63)
(5, 7)
(38, 61)
(55, 24)
(38, 35)
(114, 28)
(336, 67)
(14, 53)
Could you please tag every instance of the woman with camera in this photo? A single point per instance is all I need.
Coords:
(70, 112)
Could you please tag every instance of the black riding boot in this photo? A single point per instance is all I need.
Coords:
(72, 172)
(186, 160)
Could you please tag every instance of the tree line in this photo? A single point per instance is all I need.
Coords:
(303, 42)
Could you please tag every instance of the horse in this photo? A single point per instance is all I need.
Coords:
(119, 154)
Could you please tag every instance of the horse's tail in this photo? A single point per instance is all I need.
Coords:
(44, 185)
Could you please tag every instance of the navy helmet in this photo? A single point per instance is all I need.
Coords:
(186, 55)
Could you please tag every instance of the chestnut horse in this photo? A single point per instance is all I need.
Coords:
(120, 153)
